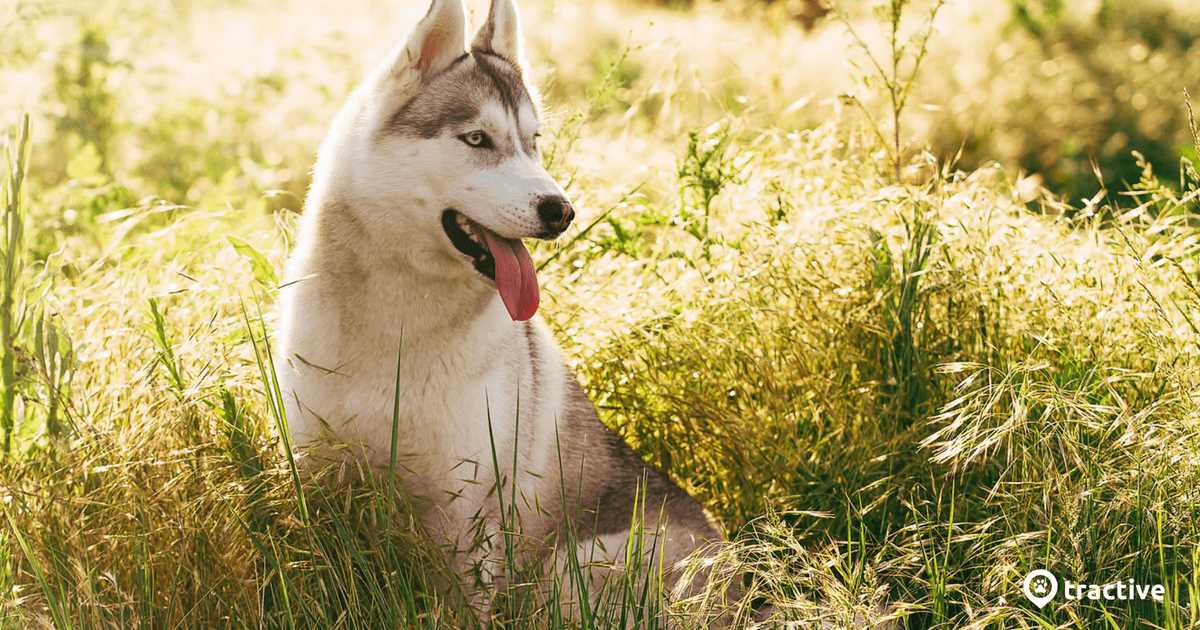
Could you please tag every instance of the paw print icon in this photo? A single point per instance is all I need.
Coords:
(1041, 586)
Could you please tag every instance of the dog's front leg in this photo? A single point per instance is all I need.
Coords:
(472, 534)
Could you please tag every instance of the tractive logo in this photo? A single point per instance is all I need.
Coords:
(1041, 587)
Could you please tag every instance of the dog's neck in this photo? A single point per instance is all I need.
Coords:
(380, 294)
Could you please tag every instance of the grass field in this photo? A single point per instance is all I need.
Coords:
(904, 354)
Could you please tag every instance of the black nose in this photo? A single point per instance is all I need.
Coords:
(555, 212)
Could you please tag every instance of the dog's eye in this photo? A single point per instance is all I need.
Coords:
(477, 139)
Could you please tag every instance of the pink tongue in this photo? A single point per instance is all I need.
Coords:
(514, 276)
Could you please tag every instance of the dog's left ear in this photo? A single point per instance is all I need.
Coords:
(501, 34)
(438, 38)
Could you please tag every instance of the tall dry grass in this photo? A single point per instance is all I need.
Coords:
(899, 389)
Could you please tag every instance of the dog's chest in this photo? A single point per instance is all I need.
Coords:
(447, 419)
(455, 396)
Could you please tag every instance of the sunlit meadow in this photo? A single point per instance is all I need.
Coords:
(905, 293)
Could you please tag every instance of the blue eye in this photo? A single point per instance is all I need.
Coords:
(476, 139)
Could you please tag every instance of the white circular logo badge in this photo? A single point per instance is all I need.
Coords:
(1040, 586)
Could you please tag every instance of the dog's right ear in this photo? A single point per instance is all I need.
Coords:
(500, 35)
(438, 39)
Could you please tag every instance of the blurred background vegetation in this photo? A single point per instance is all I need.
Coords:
(1061, 91)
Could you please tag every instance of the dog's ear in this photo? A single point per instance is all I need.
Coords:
(501, 34)
(438, 39)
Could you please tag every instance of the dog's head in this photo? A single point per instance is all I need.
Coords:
(439, 148)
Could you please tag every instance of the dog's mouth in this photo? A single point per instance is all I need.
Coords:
(504, 261)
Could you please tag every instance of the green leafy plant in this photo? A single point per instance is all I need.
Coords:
(12, 308)
(710, 163)
(897, 70)
(88, 117)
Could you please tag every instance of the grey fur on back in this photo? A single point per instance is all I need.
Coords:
(609, 472)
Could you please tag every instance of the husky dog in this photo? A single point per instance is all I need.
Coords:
(410, 272)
